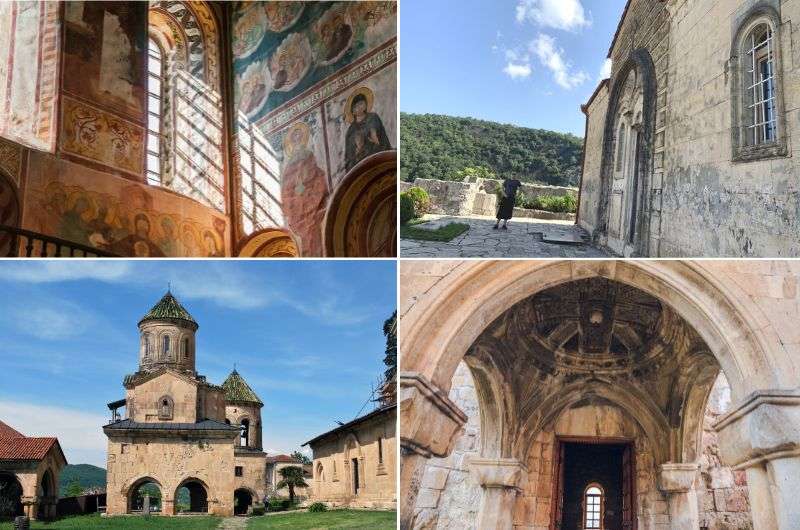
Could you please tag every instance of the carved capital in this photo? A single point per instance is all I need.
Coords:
(764, 427)
(430, 422)
(677, 478)
(497, 473)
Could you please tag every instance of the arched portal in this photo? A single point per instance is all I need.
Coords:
(242, 500)
(9, 216)
(361, 216)
(638, 341)
(48, 496)
(191, 497)
(145, 495)
(10, 496)
(270, 243)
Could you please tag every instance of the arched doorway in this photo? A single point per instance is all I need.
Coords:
(270, 243)
(9, 216)
(242, 500)
(191, 497)
(361, 216)
(354, 465)
(668, 327)
(10, 496)
(145, 496)
(48, 496)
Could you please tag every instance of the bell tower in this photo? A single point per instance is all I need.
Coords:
(167, 337)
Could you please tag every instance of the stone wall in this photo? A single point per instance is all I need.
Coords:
(593, 160)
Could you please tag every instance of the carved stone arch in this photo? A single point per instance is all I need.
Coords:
(351, 443)
(688, 402)
(493, 406)
(362, 212)
(10, 215)
(130, 487)
(270, 243)
(165, 407)
(641, 62)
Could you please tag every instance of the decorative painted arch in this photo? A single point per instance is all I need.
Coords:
(10, 215)
(269, 243)
(462, 303)
(641, 62)
(361, 216)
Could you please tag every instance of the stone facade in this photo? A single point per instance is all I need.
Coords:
(689, 193)
(544, 342)
(355, 464)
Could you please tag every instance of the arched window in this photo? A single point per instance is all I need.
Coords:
(165, 348)
(245, 435)
(165, 408)
(146, 345)
(593, 508)
(757, 87)
(155, 74)
(185, 348)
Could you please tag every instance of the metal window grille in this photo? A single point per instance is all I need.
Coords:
(154, 79)
(593, 509)
(761, 112)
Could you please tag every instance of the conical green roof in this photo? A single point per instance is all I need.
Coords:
(237, 390)
(166, 308)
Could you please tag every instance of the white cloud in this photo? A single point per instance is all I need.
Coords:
(567, 15)
(79, 433)
(517, 71)
(67, 270)
(219, 284)
(605, 70)
(552, 57)
(52, 323)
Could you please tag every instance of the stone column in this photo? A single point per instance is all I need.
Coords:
(499, 479)
(429, 426)
(677, 481)
(762, 436)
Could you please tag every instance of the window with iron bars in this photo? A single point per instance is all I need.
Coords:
(154, 79)
(760, 111)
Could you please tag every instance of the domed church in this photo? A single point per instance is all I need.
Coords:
(183, 444)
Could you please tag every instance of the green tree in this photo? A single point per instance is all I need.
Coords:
(481, 172)
(390, 359)
(300, 457)
(291, 477)
(74, 489)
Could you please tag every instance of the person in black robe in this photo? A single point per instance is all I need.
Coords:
(506, 209)
(365, 136)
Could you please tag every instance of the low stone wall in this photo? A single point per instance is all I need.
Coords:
(530, 190)
(542, 214)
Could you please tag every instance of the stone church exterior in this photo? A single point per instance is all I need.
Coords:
(181, 431)
(689, 144)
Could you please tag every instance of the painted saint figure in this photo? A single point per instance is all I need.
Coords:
(507, 200)
(304, 189)
(366, 135)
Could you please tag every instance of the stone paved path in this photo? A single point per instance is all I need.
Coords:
(233, 523)
(523, 239)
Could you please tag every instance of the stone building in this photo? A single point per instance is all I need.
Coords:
(198, 128)
(599, 394)
(29, 471)
(192, 440)
(274, 465)
(355, 463)
(689, 143)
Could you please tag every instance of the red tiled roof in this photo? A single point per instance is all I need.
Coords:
(7, 432)
(26, 448)
(281, 458)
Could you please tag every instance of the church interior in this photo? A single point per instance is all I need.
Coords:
(198, 129)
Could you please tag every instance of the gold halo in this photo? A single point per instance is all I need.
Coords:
(367, 93)
(289, 145)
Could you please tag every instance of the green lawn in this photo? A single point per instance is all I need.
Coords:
(334, 519)
(443, 233)
(124, 523)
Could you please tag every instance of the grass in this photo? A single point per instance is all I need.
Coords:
(331, 520)
(443, 233)
(79, 522)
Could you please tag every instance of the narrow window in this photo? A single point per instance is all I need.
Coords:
(185, 348)
(239, 471)
(593, 511)
(166, 345)
(620, 146)
(245, 433)
(763, 118)
(380, 450)
(154, 77)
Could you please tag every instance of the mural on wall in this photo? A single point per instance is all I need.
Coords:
(11, 160)
(115, 215)
(102, 137)
(29, 33)
(361, 122)
(304, 183)
(104, 51)
(282, 49)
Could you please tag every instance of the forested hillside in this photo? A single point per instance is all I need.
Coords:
(435, 146)
(86, 475)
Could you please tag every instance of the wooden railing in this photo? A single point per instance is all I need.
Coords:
(19, 242)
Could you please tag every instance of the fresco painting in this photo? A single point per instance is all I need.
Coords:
(361, 122)
(96, 135)
(300, 45)
(104, 51)
(115, 215)
(304, 183)
(28, 35)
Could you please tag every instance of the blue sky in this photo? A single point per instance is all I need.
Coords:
(527, 62)
(306, 335)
